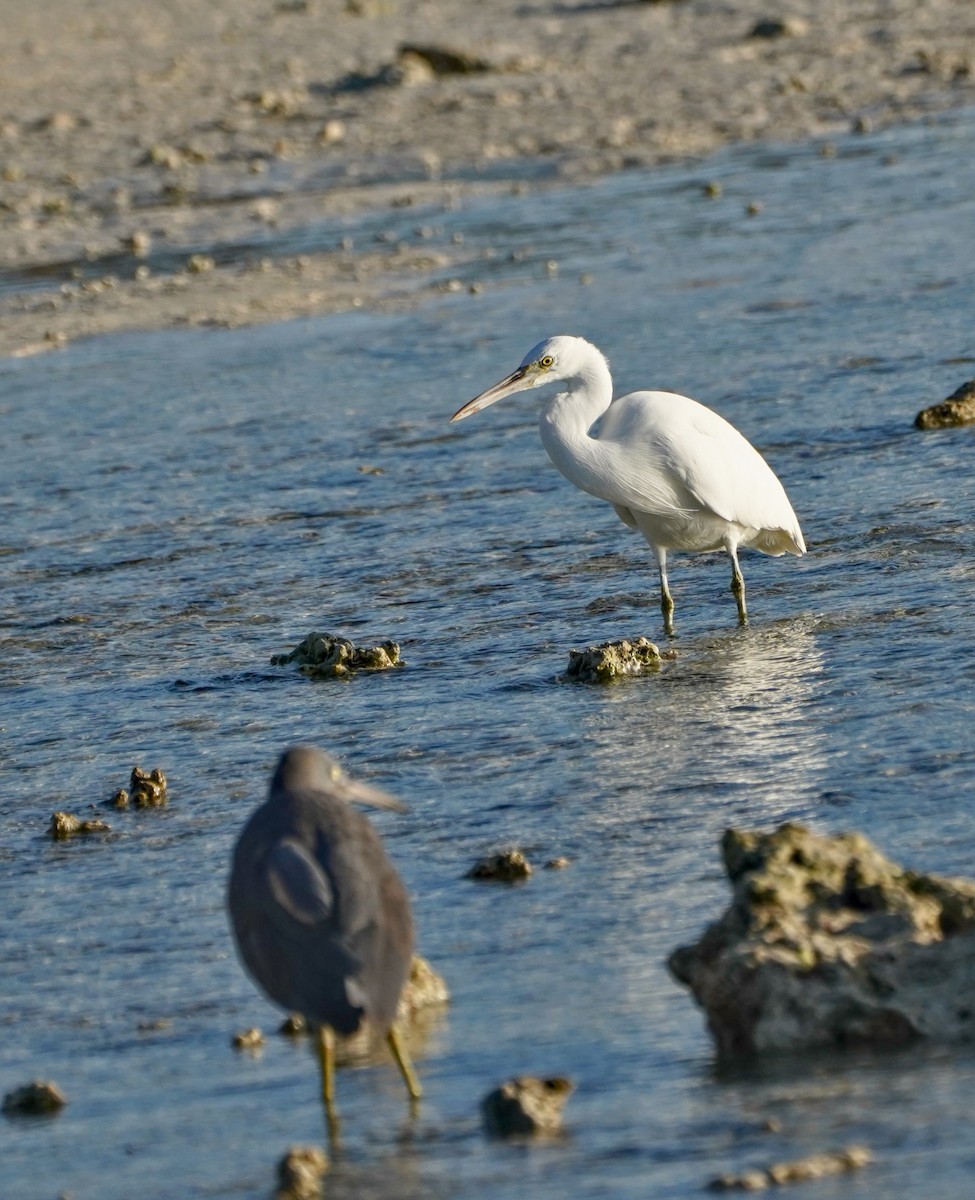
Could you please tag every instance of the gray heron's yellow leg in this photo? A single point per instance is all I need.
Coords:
(404, 1064)
(326, 1056)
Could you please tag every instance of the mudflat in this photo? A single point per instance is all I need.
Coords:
(154, 158)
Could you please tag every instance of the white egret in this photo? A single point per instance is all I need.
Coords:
(673, 469)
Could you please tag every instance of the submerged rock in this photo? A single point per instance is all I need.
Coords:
(248, 1039)
(797, 1170)
(424, 993)
(300, 1173)
(958, 409)
(610, 660)
(34, 1099)
(506, 866)
(65, 825)
(526, 1106)
(155, 1025)
(424, 988)
(325, 656)
(827, 942)
(558, 863)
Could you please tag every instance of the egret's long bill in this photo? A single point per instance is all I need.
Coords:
(517, 381)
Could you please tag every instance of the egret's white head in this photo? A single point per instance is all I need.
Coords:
(555, 359)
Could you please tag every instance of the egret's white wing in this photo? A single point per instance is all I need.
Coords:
(662, 453)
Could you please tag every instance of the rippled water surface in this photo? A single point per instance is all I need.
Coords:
(179, 507)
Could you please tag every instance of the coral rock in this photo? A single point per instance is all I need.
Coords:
(300, 1173)
(424, 993)
(325, 656)
(827, 942)
(248, 1039)
(610, 660)
(34, 1099)
(958, 409)
(424, 988)
(507, 866)
(526, 1106)
(147, 789)
(65, 825)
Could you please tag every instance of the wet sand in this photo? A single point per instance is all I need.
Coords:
(158, 161)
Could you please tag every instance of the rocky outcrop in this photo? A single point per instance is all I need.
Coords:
(958, 409)
(611, 660)
(827, 942)
(325, 656)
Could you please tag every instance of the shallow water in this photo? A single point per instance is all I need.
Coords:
(181, 506)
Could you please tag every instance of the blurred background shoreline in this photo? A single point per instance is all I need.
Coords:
(174, 165)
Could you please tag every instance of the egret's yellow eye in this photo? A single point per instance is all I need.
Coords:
(546, 361)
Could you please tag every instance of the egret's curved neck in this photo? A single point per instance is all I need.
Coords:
(567, 418)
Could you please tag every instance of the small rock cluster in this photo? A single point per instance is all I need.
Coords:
(826, 942)
(798, 1170)
(147, 789)
(325, 656)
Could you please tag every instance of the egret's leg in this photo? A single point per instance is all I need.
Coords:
(666, 599)
(404, 1064)
(326, 1056)
(738, 585)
